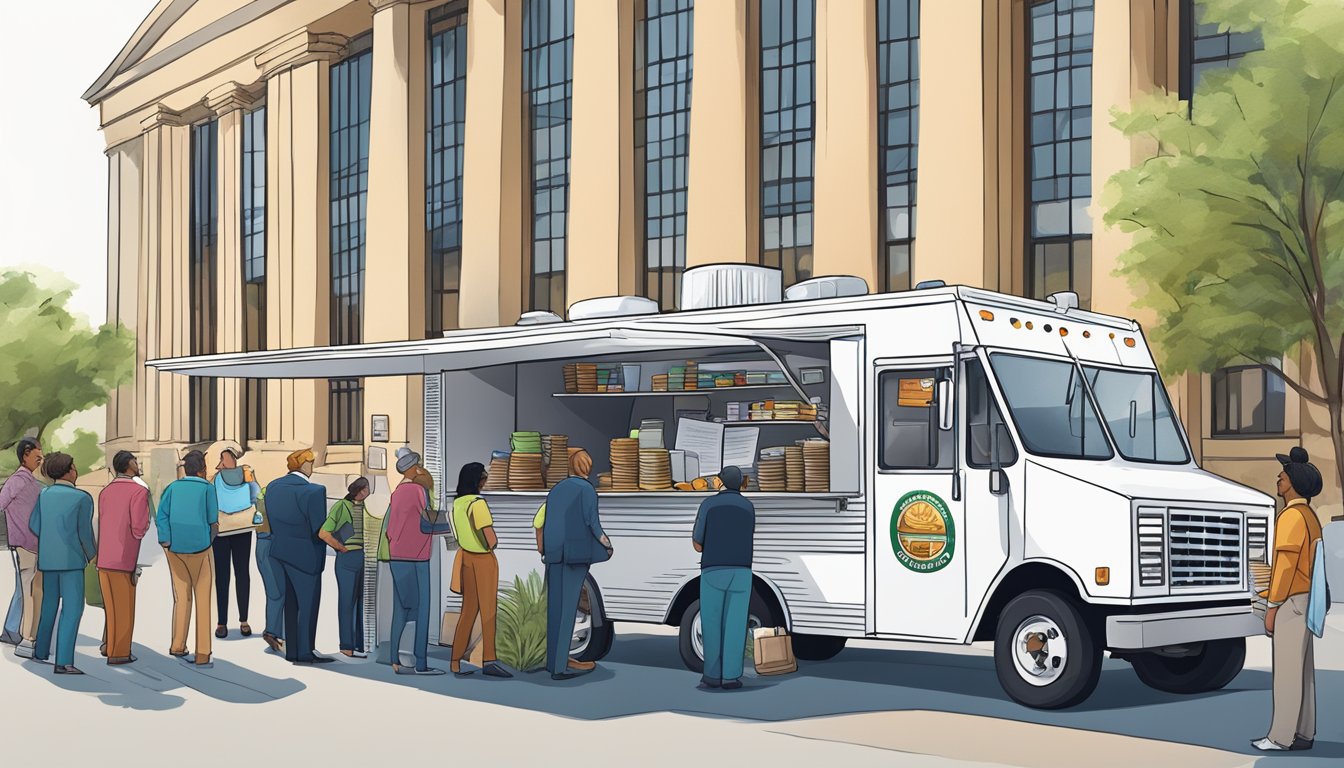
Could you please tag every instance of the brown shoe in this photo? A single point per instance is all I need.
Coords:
(583, 666)
(275, 643)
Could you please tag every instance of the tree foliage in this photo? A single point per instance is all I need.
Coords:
(1238, 215)
(53, 362)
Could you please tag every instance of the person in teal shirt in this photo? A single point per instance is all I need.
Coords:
(188, 522)
(62, 521)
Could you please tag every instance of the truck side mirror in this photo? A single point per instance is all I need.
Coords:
(998, 482)
(944, 405)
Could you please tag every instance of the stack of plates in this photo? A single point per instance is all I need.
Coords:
(557, 466)
(816, 466)
(604, 481)
(793, 461)
(660, 382)
(571, 378)
(525, 472)
(655, 469)
(691, 375)
(772, 472)
(526, 442)
(586, 375)
(651, 433)
(499, 472)
(625, 464)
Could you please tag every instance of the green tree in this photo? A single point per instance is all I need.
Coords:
(54, 362)
(1238, 215)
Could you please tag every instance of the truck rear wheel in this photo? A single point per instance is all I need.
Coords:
(1209, 668)
(1044, 652)
(817, 647)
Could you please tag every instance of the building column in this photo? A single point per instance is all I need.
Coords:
(297, 71)
(492, 181)
(394, 275)
(126, 405)
(721, 221)
(601, 220)
(228, 102)
(845, 166)
(1116, 56)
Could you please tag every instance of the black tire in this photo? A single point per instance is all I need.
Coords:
(817, 647)
(1076, 667)
(758, 609)
(1212, 668)
(601, 636)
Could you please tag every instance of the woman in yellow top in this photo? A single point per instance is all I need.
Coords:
(480, 571)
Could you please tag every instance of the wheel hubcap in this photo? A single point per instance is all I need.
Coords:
(698, 635)
(583, 632)
(1040, 651)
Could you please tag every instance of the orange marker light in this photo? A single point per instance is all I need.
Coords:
(1063, 331)
(1087, 334)
(985, 314)
(1103, 576)
(1016, 323)
(1029, 326)
(1129, 341)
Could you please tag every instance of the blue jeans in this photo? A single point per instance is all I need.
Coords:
(410, 593)
(564, 582)
(275, 594)
(14, 618)
(350, 599)
(67, 589)
(725, 594)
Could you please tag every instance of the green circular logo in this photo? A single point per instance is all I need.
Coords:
(923, 535)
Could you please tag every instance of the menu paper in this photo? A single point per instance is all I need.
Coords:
(739, 446)
(704, 438)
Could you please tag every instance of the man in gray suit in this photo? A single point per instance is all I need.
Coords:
(571, 540)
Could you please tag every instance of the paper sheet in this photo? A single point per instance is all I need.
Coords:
(705, 438)
(739, 446)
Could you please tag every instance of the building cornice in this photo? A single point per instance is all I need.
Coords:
(161, 117)
(379, 5)
(299, 48)
(229, 97)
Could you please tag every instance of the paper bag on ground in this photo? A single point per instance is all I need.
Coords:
(449, 628)
(773, 651)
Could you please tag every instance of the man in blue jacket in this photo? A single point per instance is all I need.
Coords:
(571, 541)
(296, 509)
(725, 530)
(62, 521)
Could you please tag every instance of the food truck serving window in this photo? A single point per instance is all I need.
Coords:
(910, 438)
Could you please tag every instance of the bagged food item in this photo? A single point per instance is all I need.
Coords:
(773, 651)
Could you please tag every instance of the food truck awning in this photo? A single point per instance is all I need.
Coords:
(464, 350)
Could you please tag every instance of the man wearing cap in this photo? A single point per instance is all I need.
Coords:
(1295, 533)
(296, 509)
(237, 489)
(571, 540)
(725, 529)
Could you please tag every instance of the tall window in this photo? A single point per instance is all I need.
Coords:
(1059, 247)
(350, 88)
(444, 146)
(1247, 400)
(787, 109)
(1204, 48)
(253, 207)
(898, 138)
(201, 272)
(548, 76)
(662, 141)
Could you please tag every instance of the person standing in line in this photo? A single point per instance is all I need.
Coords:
(237, 489)
(188, 522)
(1296, 531)
(411, 525)
(725, 529)
(274, 633)
(62, 521)
(296, 509)
(123, 520)
(17, 499)
(343, 531)
(479, 574)
(571, 541)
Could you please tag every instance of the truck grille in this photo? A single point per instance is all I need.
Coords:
(1205, 549)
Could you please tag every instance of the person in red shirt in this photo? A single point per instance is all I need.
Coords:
(123, 520)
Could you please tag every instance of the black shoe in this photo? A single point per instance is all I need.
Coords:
(9, 638)
(564, 676)
(731, 685)
(494, 669)
(117, 661)
(67, 669)
(1300, 744)
(177, 655)
(709, 682)
(323, 659)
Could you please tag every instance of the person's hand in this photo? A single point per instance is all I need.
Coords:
(1269, 620)
(343, 549)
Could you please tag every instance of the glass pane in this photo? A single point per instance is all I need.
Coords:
(1050, 407)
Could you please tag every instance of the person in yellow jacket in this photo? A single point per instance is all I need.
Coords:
(1296, 531)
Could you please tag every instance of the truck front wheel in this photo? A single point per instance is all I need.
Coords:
(1203, 669)
(1044, 651)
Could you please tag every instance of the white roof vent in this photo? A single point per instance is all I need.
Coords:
(1063, 300)
(830, 287)
(539, 318)
(612, 306)
(930, 284)
(729, 285)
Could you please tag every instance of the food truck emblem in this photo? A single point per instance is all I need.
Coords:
(922, 533)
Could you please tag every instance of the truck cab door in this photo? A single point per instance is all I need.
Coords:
(920, 569)
(994, 486)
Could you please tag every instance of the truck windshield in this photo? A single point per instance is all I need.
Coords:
(1139, 415)
(1051, 408)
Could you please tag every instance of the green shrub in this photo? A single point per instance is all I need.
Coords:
(520, 636)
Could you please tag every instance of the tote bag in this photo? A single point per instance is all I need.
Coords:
(1318, 599)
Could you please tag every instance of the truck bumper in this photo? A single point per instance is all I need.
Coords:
(1160, 630)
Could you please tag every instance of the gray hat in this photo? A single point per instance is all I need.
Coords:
(406, 458)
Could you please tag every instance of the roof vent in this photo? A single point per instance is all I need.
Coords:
(729, 285)
(930, 284)
(612, 306)
(1063, 300)
(827, 288)
(539, 318)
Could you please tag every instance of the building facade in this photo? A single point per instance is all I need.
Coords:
(293, 173)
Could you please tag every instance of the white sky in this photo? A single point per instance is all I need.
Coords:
(53, 200)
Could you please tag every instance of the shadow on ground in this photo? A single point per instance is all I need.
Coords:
(644, 674)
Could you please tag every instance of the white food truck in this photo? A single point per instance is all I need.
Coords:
(995, 468)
